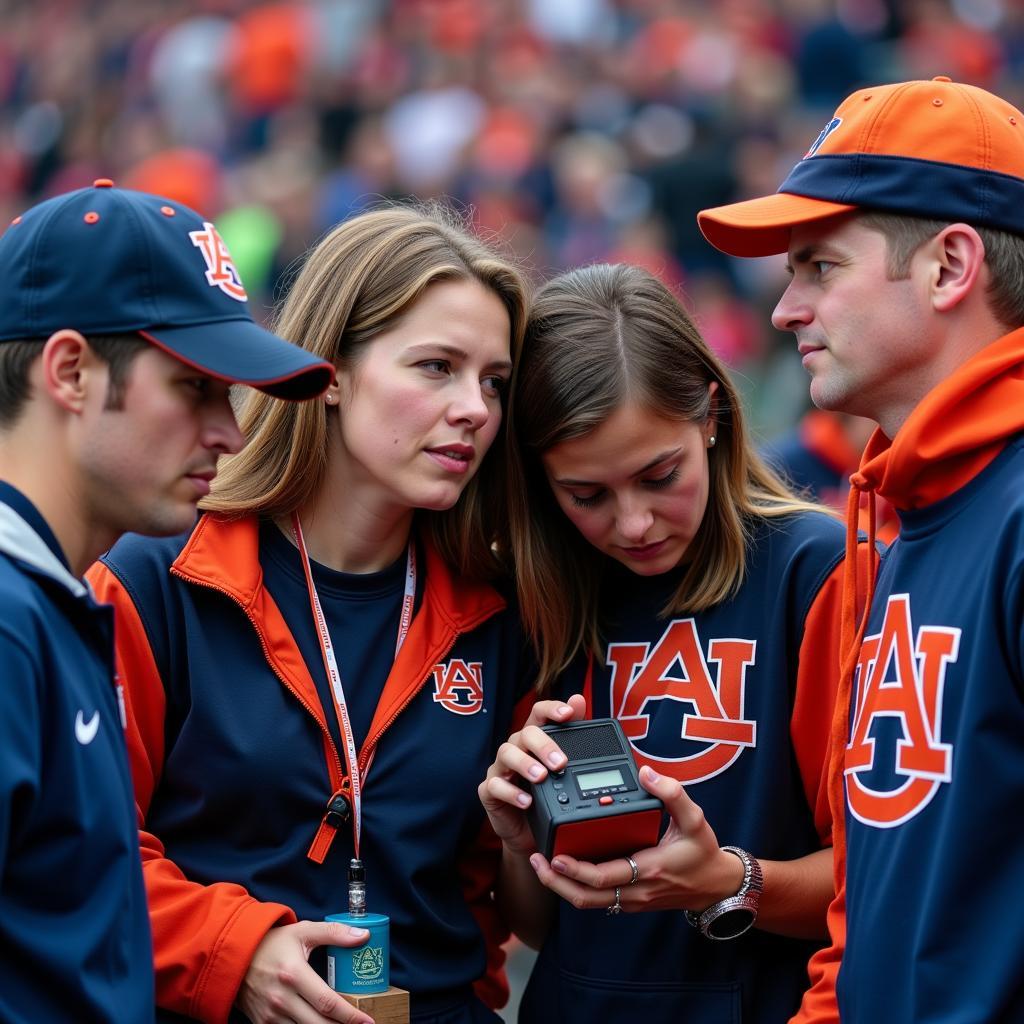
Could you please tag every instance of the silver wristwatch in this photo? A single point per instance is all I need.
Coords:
(731, 917)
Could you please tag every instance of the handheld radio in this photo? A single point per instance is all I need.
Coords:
(595, 808)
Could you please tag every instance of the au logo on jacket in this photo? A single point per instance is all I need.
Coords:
(675, 669)
(900, 677)
(459, 686)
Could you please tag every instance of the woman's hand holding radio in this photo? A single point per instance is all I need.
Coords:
(528, 754)
(686, 870)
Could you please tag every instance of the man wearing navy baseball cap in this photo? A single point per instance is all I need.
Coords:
(123, 324)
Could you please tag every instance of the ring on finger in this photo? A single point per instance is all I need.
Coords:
(616, 907)
(636, 871)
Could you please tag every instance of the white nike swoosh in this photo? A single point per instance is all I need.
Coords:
(85, 732)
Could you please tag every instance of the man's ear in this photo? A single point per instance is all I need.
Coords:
(69, 368)
(958, 258)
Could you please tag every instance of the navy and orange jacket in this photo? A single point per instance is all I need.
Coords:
(234, 766)
(734, 702)
(928, 737)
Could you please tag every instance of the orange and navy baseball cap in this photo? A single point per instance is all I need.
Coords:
(104, 260)
(934, 149)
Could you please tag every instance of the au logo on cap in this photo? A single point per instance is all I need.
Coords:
(823, 135)
(220, 268)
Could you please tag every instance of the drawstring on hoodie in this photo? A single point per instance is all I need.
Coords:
(851, 637)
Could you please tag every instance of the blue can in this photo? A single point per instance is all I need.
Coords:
(365, 969)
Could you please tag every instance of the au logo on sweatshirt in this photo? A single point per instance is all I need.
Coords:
(459, 686)
(895, 762)
(703, 730)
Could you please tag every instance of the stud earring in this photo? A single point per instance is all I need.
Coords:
(711, 441)
(329, 399)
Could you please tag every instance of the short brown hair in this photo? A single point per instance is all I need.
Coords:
(1004, 254)
(16, 358)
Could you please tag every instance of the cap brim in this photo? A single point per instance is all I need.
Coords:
(242, 352)
(761, 227)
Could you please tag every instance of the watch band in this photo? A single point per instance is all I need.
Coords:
(731, 917)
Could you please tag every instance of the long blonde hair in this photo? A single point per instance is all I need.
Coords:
(355, 284)
(597, 338)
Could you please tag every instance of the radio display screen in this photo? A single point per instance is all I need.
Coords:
(600, 780)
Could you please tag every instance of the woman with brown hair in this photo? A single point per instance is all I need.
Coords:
(322, 668)
(671, 581)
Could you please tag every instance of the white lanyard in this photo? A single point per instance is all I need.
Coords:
(331, 664)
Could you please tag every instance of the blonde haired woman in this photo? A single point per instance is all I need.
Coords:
(669, 580)
(322, 668)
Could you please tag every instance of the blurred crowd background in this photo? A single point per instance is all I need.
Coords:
(576, 130)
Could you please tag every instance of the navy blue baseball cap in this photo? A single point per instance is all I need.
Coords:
(106, 260)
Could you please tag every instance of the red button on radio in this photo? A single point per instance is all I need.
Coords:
(604, 801)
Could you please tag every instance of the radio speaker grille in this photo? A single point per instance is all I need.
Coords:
(595, 741)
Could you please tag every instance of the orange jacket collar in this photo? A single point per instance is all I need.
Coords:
(224, 554)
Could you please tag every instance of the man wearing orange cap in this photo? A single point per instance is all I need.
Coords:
(904, 227)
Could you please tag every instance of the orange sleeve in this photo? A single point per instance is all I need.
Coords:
(204, 936)
(817, 680)
(819, 1005)
(811, 732)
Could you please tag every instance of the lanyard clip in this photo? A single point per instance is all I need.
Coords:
(339, 811)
